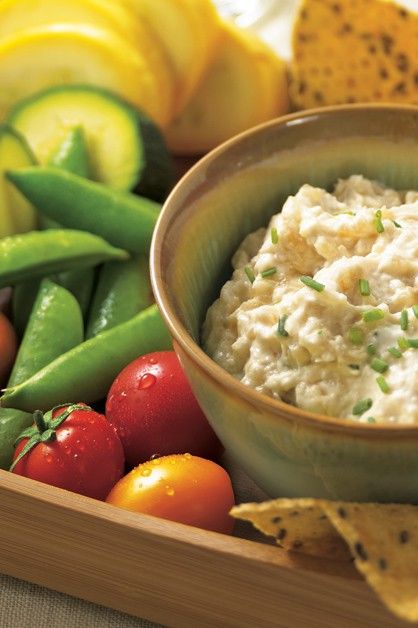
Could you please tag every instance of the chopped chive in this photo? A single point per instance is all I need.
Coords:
(362, 406)
(371, 349)
(373, 315)
(397, 225)
(269, 271)
(311, 283)
(355, 367)
(281, 326)
(413, 343)
(382, 383)
(403, 343)
(364, 287)
(378, 224)
(250, 273)
(356, 336)
(274, 235)
(395, 352)
(371, 419)
(404, 320)
(379, 365)
(415, 310)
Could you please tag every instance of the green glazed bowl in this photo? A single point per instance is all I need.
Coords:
(232, 191)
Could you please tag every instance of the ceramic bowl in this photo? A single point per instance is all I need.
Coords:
(230, 192)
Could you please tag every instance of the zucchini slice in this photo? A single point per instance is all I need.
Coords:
(126, 149)
(16, 214)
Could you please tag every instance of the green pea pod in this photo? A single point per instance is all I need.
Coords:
(12, 423)
(72, 155)
(122, 291)
(41, 253)
(55, 326)
(23, 298)
(86, 372)
(123, 219)
(80, 283)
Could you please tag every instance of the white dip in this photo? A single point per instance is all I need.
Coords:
(319, 350)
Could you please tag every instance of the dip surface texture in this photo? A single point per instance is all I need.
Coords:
(344, 346)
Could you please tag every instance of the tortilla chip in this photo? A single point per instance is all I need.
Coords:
(347, 51)
(382, 539)
(296, 524)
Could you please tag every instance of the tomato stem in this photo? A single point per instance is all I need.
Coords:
(39, 421)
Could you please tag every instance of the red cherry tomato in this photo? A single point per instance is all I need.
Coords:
(181, 488)
(83, 454)
(8, 347)
(154, 411)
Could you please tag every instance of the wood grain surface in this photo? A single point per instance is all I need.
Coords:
(170, 573)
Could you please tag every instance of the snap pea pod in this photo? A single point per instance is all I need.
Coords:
(71, 155)
(86, 372)
(12, 423)
(23, 298)
(41, 253)
(55, 326)
(123, 219)
(122, 291)
(80, 283)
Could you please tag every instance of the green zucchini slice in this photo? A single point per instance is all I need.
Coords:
(126, 150)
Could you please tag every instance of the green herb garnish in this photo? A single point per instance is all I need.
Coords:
(370, 316)
(356, 335)
(269, 271)
(371, 349)
(281, 326)
(274, 235)
(311, 283)
(250, 273)
(397, 225)
(404, 320)
(379, 365)
(362, 406)
(378, 224)
(382, 383)
(413, 343)
(395, 352)
(415, 310)
(403, 343)
(371, 419)
(364, 287)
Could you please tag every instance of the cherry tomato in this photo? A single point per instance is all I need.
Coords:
(8, 347)
(154, 411)
(182, 488)
(74, 448)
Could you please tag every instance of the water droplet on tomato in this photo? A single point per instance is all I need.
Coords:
(147, 380)
(153, 361)
(169, 490)
(146, 472)
(155, 461)
(187, 456)
(75, 456)
(48, 458)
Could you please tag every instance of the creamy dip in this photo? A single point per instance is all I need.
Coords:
(319, 311)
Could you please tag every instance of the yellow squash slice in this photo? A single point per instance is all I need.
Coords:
(16, 15)
(245, 85)
(35, 58)
(354, 51)
(188, 30)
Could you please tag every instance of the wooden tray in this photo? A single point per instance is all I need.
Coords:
(170, 573)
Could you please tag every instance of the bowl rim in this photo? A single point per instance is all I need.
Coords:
(180, 334)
